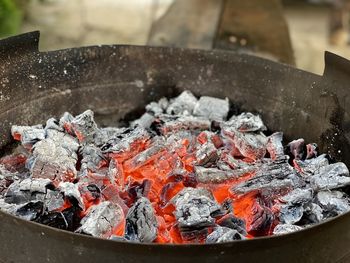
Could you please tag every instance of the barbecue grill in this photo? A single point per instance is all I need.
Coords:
(116, 82)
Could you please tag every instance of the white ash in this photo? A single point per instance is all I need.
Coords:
(206, 154)
(211, 108)
(246, 122)
(291, 214)
(101, 219)
(215, 175)
(135, 136)
(186, 123)
(223, 234)
(285, 229)
(147, 155)
(274, 145)
(330, 177)
(145, 121)
(71, 191)
(54, 124)
(298, 196)
(194, 209)
(52, 161)
(141, 223)
(333, 203)
(312, 166)
(184, 104)
(85, 126)
(35, 185)
(29, 134)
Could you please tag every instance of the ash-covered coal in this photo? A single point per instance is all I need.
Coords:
(184, 172)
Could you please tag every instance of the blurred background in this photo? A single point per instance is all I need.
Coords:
(296, 32)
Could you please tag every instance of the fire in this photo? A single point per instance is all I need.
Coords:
(180, 174)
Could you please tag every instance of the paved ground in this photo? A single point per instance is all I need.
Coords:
(67, 23)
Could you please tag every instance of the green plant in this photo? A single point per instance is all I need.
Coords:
(10, 18)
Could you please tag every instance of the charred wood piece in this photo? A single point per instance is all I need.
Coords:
(141, 223)
(101, 219)
(333, 203)
(246, 122)
(71, 191)
(233, 222)
(195, 209)
(186, 123)
(223, 234)
(281, 229)
(30, 211)
(274, 145)
(211, 108)
(331, 177)
(28, 135)
(296, 149)
(312, 166)
(182, 104)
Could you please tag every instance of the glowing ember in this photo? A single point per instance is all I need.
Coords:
(182, 173)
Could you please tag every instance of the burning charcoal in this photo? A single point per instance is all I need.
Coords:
(155, 108)
(270, 176)
(330, 177)
(144, 157)
(186, 123)
(141, 223)
(223, 234)
(285, 229)
(68, 219)
(35, 185)
(296, 149)
(84, 126)
(8, 208)
(71, 191)
(333, 203)
(311, 150)
(313, 213)
(206, 154)
(54, 157)
(109, 135)
(101, 219)
(298, 196)
(53, 200)
(227, 163)
(28, 135)
(194, 209)
(66, 119)
(256, 214)
(183, 104)
(233, 222)
(30, 211)
(54, 124)
(211, 108)
(115, 172)
(145, 121)
(14, 195)
(312, 166)
(214, 175)
(246, 122)
(291, 214)
(92, 157)
(274, 145)
(136, 136)
(250, 145)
